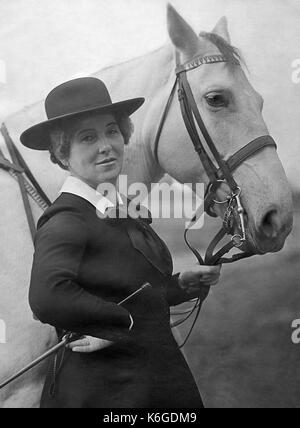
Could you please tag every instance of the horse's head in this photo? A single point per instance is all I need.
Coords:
(232, 112)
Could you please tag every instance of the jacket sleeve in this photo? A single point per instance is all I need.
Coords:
(55, 296)
(175, 295)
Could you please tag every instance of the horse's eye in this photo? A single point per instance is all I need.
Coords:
(216, 100)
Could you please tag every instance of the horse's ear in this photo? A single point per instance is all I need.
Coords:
(182, 35)
(221, 29)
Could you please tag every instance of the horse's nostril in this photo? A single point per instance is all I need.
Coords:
(270, 226)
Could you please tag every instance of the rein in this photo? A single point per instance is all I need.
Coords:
(218, 170)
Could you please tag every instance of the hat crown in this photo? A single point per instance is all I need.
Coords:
(68, 101)
(76, 96)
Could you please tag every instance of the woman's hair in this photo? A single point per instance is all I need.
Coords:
(61, 138)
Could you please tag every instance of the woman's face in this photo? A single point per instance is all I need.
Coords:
(97, 150)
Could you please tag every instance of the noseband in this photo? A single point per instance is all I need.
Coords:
(222, 173)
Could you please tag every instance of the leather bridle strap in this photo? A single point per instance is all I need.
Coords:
(237, 160)
(190, 125)
(24, 195)
(191, 128)
(190, 103)
(5, 164)
(250, 150)
(163, 120)
(217, 258)
(18, 166)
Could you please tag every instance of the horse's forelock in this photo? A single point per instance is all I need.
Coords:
(230, 52)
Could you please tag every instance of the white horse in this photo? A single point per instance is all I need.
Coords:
(266, 193)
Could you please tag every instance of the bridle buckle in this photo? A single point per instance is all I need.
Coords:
(180, 94)
(238, 240)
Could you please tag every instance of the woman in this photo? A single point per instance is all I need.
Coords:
(85, 263)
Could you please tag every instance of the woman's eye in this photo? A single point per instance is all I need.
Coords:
(216, 100)
(113, 131)
(88, 138)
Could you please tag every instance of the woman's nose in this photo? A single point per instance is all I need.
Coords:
(104, 147)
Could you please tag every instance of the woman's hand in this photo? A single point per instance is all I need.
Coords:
(88, 344)
(192, 280)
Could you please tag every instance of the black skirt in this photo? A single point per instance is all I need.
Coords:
(146, 370)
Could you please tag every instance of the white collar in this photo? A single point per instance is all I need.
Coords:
(78, 187)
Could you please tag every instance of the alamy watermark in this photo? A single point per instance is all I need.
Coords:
(2, 332)
(3, 76)
(163, 201)
(296, 332)
(296, 71)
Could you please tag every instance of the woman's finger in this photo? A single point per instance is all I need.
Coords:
(85, 349)
(203, 280)
(211, 277)
(197, 286)
(215, 282)
(199, 273)
(205, 271)
(78, 343)
(90, 344)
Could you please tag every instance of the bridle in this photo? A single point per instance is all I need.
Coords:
(222, 173)
(217, 175)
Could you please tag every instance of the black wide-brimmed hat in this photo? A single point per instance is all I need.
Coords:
(70, 100)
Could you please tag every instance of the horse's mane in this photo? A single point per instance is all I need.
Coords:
(232, 53)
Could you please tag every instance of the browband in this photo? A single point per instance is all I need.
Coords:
(202, 60)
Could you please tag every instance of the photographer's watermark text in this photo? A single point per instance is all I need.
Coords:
(2, 332)
(296, 71)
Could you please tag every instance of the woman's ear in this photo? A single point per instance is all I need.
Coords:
(64, 163)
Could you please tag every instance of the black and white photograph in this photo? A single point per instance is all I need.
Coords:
(149, 206)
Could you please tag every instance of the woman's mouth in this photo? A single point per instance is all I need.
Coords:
(108, 161)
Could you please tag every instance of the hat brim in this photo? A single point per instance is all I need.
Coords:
(37, 137)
